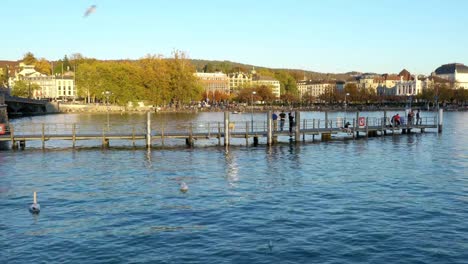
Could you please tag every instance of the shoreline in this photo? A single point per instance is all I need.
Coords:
(75, 108)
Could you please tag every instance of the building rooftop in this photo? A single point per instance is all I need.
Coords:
(450, 68)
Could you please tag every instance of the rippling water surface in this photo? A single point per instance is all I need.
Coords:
(396, 199)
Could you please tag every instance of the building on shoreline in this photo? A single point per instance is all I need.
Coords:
(52, 87)
(268, 81)
(214, 81)
(315, 88)
(232, 83)
(455, 73)
(238, 80)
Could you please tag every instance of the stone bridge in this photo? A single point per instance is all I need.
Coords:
(19, 106)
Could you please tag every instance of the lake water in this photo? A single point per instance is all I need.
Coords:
(393, 199)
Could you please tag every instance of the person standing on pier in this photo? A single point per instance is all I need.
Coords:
(282, 119)
(410, 117)
(275, 121)
(418, 118)
(291, 122)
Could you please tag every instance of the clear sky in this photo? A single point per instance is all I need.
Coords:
(326, 36)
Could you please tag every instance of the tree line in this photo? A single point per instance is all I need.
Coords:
(162, 81)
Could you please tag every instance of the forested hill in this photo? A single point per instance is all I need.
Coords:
(223, 66)
(298, 74)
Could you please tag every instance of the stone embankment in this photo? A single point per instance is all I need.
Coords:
(95, 108)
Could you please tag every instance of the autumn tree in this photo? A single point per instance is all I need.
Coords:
(4, 75)
(43, 66)
(265, 93)
(29, 59)
(352, 90)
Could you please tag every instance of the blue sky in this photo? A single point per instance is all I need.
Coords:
(325, 36)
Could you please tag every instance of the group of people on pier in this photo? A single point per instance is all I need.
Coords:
(282, 120)
(397, 120)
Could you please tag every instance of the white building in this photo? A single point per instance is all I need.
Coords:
(51, 87)
(238, 80)
(314, 88)
(408, 88)
(214, 81)
(270, 82)
(456, 73)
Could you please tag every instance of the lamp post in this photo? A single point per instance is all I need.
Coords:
(345, 105)
(107, 94)
(252, 95)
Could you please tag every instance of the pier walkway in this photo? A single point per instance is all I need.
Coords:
(222, 130)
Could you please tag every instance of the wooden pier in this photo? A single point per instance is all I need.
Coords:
(223, 131)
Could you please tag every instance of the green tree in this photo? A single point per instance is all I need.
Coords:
(24, 89)
(287, 82)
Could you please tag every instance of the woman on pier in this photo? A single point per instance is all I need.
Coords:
(282, 119)
(291, 121)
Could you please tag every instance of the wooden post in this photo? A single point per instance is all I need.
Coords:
(247, 133)
(133, 135)
(189, 140)
(162, 134)
(255, 140)
(12, 136)
(269, 129)
(356, 125)
(440, 120)
(367, 127)
(326, 119)
(226, 128)
(22, 144)
(43, 136)
(385, 117)
(219, 134)
(209, 130)
(148, 130)
(304, 127)
(382, 127)
(74, 135)
(297, 128)
(104, 141)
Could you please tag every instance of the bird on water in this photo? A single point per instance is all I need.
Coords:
(183, 187)
(35, 208)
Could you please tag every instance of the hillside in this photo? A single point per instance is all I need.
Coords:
(230, 66)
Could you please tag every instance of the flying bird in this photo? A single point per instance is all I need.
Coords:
(90, 10)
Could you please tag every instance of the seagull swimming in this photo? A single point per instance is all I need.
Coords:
(183, 187)
(35, 208)
(90, 10)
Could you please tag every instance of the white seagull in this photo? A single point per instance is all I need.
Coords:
(183, 187)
